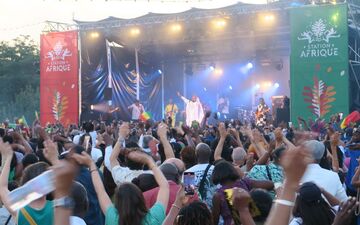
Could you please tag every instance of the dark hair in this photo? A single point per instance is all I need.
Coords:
(188, 156)
(130, 204)
(314, 213)
(88, 127)
(145, 182)
(33, 171)
(196, 213)
(263, 202)
(224, 171)
(79, 195)
(8, 138)
(2, 132)
(29, 159)
(277, 153)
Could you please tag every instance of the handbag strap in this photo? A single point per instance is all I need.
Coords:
(28, 217)
(268, 172)
(202, 182)
(8, 220)
(357, 211)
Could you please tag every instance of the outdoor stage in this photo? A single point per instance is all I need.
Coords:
(242, 52)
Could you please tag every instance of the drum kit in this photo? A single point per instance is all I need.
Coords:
(244, 114)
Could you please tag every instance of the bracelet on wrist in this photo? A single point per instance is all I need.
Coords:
(175, 206)
(284, 202)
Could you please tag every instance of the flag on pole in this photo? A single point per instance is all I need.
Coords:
(36, 115)
(351, 118)
(145, 116)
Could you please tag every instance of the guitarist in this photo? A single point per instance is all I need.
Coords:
(261, 113)
(171, 110)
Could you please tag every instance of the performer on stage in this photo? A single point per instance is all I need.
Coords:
(261, 113)
(136, 110)
(171, 110)
(223, 105)
(194, 110)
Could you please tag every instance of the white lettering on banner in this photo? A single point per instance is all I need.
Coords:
(318, 36)
(58, 59)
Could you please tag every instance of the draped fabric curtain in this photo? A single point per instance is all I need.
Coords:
(94, 81)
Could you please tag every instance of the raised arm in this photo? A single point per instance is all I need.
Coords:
(162, 133)
(220, 145)
(124, 131)
(104, 199)
(334, 142)
(183, 98)
(355, 181)
(163, 194)
(6, 154)
(294, 164)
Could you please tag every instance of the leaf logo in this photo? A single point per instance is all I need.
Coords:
(319, 97)
(58, 52)
(319, 31)
(59, 106)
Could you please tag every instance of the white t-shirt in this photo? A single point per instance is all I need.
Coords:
(74, 220)
(199, 170)
(96, 154)
(136, 111)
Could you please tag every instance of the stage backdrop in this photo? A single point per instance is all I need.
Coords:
(59, 93)
(319, 61)
(95, 80)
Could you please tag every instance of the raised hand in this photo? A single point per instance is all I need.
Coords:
(346, 212)
(295, 163)
(335, 138)
(83, 159)
(140, 157)
(222, 131)
(162, 130)
(124, 130)
(5, 150)
(51, 152)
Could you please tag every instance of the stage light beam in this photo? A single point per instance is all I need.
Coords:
(176, 28)
(219, 23)
(249, 66)
(230, 87)
(159, 71)
(276, 85)
(92, 107)
(257, 86)
(135, 32)
(218, 72)
(94, 34)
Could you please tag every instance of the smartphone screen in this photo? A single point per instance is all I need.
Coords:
(189, 183)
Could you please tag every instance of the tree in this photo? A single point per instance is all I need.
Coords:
(19, 78)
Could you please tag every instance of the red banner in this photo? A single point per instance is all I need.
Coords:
(59, 83)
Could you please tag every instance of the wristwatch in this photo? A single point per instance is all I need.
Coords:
(65, 202)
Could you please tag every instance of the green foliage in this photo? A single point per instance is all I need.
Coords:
(19, 78)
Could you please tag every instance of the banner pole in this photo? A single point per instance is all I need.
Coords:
(137, 74)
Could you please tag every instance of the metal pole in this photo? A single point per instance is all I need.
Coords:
(108, 54)
(79, 76)
(162, 92)
(184, 83)
(137, 74)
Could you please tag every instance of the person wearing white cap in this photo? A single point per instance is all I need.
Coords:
(326, 179)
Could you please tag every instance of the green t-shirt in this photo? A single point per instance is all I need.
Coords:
(40, 216)
(155, 216)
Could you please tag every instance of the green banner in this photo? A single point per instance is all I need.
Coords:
(319, 61)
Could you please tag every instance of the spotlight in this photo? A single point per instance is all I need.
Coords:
(212, 66)
(276, 85)
(219, 23)
(230, 87)
(92, 107)
(257, 86)
(134, 32)
(218, 71)
(249, 65)
(94, 34)
(159, 71)
(269, 17)
(176, 28)
(267, 84)
(205, 89)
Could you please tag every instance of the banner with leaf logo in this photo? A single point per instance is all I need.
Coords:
(319, 61)
(59, 82)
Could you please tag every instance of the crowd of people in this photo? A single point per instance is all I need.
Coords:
(133, 173)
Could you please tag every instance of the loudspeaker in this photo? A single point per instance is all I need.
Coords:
(282, 115)
(108, 94)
